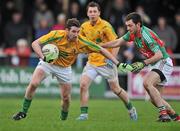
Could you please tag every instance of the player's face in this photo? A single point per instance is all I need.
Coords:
(93, 13)
(131, 26)
(73, 33)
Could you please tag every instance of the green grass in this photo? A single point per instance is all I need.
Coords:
(104, 115)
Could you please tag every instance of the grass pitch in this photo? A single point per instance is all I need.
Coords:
(104, 115)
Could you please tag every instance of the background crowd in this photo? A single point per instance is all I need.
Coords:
(22, 21)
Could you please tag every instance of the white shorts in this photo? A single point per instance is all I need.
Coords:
(63, 74)
(108, 73)
(165, 66)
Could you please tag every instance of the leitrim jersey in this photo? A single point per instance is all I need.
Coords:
(147, 42)
(101, 32)
(68, 51)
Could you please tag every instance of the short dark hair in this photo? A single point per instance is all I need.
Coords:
(72, 22)
(93, 4)
(135, 17)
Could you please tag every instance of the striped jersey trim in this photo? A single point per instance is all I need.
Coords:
(53, 39)
(146, 36)
(90, 44)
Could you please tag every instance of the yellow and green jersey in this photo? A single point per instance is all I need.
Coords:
(68, 51)
(101, 32)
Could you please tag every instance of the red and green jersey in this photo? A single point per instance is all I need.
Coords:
(147, 42)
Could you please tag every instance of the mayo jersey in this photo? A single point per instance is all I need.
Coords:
(68, 51)
(101, 32)
(147, 42)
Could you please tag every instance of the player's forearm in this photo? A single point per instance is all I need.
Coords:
(113, 44)
(108, 55)
(115, 51)
(158, 55)
(37, 49)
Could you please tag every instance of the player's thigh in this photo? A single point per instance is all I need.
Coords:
(110, 74)
(88, 75)
(38, 76)
(89, 71)
(85, 81)
(151, 78)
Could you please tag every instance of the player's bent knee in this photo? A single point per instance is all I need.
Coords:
(146, 84)
(66, 98)
(83, 86)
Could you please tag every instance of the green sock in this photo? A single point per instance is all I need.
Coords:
(64, 115)
(84, 110)
(129, 105)
(26, 105)
(161, 108)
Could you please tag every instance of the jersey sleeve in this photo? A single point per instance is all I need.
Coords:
(109, 32)
(87, 46)
(52, 36)
(153, 46)
(82, 31)
(152, 43)
(126, 37)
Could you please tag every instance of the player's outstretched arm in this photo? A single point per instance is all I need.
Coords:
(37, 48)
(114, 43)
(108, 55)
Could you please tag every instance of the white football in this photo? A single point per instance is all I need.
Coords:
(50, 51)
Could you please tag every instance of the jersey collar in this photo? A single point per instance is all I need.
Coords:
(139, 34)
(98, 21)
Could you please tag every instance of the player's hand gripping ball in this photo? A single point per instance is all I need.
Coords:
(50, 52)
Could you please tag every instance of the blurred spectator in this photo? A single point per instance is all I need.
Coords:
(20, 54)
(121, 30)
(43, 28)
(74, 11)
(167, 34)
(177, 29)
(23, 48)
(61, 20)
(19, 4)
(43, 13)
(83, 2)
(1, 31)
(23, 52)
(15, 30)
(7, 9)
(146, 19)
(61, 6)
(30, 7)
(116, 12)
(152, 8)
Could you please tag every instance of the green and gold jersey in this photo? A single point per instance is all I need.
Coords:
(101, 32)
(68, 51)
